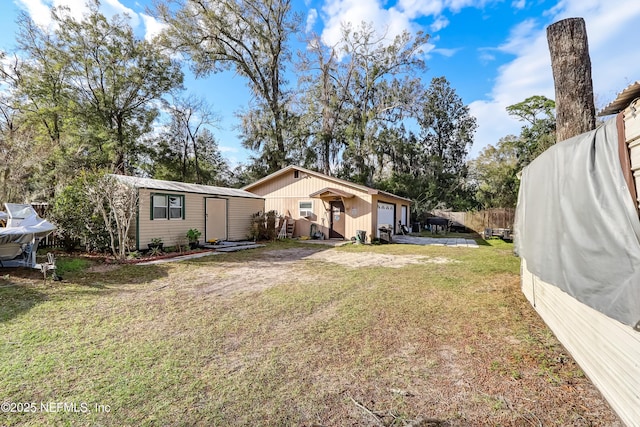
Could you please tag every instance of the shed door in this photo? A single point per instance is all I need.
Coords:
(386, 216)
(216, 219)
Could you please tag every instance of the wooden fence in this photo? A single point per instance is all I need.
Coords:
(479, 220)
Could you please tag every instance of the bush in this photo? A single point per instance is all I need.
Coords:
(73, 214)
(263, 226)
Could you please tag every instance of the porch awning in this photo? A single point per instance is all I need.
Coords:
(331, 192)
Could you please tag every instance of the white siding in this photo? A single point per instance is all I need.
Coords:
(606, 350)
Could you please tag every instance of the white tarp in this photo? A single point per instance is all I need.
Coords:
(577, 226)
(23, 225)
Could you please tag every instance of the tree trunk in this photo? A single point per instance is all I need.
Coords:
(571, 65)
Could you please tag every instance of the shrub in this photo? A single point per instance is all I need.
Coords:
(263, 226)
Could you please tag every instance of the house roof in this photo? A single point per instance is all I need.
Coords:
(623, 100)
(158, 184)
(287, 169)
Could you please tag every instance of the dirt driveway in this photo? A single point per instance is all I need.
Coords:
(273, 267)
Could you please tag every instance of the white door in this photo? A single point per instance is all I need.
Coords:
(216, 222)
(386, 216)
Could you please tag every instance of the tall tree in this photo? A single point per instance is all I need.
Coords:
(189, 117)
(115, 79)
(324, 99)
(381, 92)
(495, 171)
(249, 37)
(88, 89)
(446, 132)
(539, 130)
(17, 162)
(36, 89)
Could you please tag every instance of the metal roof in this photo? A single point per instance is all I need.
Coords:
(623, 100)
(158, 184)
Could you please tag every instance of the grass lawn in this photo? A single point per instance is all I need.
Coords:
(290, 334)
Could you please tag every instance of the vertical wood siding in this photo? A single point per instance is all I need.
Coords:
(240, 211)
(606, 350)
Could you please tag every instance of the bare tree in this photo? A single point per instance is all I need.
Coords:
(117, 204)
(571, 65)
(189, 116)
(247, 36)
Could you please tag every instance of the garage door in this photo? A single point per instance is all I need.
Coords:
(386, 216)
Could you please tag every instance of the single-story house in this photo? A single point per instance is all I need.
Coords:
(168, 209)
(332, 206)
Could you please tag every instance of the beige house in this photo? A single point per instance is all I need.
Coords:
(168, 209)
(332, 206)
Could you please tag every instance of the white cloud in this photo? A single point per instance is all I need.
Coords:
(519, 4)
(440, 23)
(152, 26)
(445, 52)
(486, 56)
(228, 149)
(40, 10)
(416, 8)
(614, 57)
(114, 7)
(338, 12)
(311, 19)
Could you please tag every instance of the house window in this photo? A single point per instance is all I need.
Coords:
(175, 207)
(305, 208)
(167, 206)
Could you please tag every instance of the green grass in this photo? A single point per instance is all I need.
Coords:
(156, 348)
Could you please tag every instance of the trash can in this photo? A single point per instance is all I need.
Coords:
(361, 236)
(415, 228)
(385, 234)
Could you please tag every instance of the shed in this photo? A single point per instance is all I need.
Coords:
(335, 207)
(578, 234)
(168, 209)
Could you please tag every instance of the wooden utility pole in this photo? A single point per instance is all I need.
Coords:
(571, 66)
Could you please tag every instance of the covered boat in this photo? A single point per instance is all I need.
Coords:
(19, 237)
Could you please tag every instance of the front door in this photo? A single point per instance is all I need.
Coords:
(336, 231)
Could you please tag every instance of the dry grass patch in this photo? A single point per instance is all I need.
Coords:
(292, 335)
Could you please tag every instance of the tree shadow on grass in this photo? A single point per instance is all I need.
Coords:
(23, 289)
(17, 298)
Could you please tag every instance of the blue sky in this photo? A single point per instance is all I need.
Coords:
(494, 52)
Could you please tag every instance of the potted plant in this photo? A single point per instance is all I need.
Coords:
(193, 235)
(156, 243)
